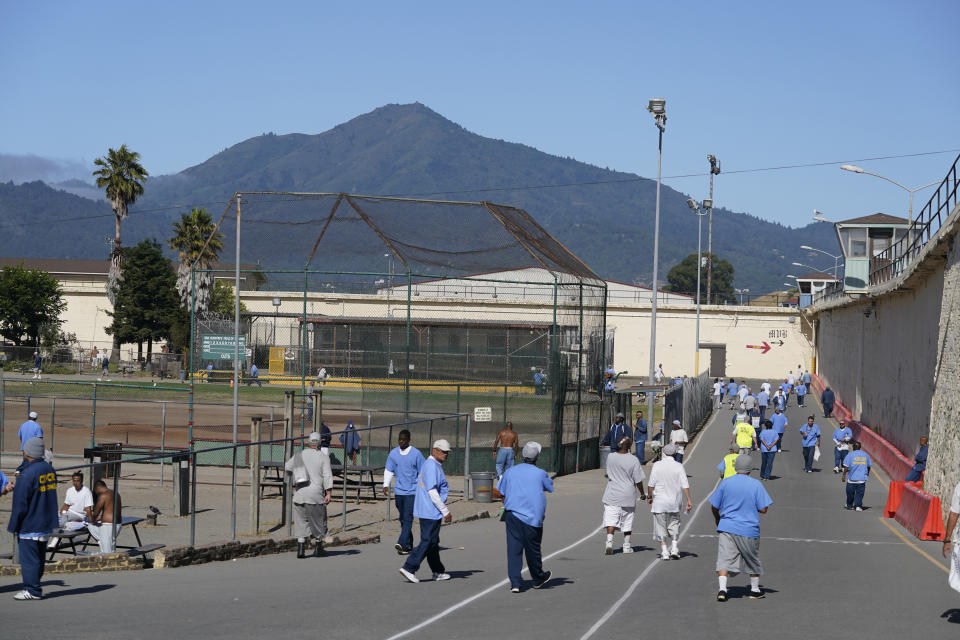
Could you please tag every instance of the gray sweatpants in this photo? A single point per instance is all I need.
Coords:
(309, 520)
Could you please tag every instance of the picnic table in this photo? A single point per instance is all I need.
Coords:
(273, 476)
(68, 540)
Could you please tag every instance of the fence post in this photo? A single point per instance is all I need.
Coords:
(255, 474)
(287, 503)
(163, 436)
(389, 442)
(505, 404)
(53, 419)
(193, 497)
(3, 409)
(466, 462)
(93, 416)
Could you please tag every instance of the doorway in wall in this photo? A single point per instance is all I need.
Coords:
(718, 359)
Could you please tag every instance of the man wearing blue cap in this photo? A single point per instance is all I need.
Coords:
(33, 516)
(525, 505)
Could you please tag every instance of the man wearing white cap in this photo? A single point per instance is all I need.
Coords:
(668, 486)
(678, 437)
(310, 501)
(625, 476)
(525, 505)
(431, 508)
(29, 429)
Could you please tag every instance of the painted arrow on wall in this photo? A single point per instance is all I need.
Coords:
(765, 347)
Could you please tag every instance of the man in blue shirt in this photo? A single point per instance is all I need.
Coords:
(809, 440)
(640, 437)
(29, 429)
(33, 516)
(37, 362)
(732, 392)
(842, 436)
(254, 376)
(525, 505)
(619, 429)
(780, 422)
(856, 470)
(737, 504)
(827, 398)
(430, 507)
(801, 393)
(763, 401)
(768, 449)
(807, 378)
(920, 463)
(539, 380)
(403, 463)
(786, 387)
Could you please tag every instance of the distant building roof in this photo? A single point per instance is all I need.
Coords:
(876, 218)
(61, 266)
(818, 275)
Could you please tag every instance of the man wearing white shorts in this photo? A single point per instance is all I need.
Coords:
(737, 504)
(668, 486)
(625, 477)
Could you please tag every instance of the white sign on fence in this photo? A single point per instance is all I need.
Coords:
(482, 414)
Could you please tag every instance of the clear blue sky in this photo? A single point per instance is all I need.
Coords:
(759, 84)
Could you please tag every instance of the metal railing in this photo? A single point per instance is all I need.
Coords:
(894, 260)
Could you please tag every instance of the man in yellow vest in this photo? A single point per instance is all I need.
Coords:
(726, 465)
(744, 435)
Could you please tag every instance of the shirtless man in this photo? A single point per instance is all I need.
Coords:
(105, 533)
(505, 448)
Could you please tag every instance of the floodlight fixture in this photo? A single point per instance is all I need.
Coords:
(707, 203)
(692, 204)
(852, 167)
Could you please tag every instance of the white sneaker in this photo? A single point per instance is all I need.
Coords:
(859, 508)
(664, 555)
(675, 552)
(627, 548)
(409, 576)
(26, 595)
(608, 549)
(441, 576)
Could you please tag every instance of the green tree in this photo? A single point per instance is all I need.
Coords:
(122, 176)
(683, 279)
(147, 304)
(198, 244)
(30, 302)
(222, 299)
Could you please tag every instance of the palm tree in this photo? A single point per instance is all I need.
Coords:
(198, 245)
(122, 175)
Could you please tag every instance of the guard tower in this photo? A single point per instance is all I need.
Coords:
(861, 241)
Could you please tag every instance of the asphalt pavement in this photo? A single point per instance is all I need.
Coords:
(828, 573)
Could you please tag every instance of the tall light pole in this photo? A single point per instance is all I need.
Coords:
(714, 170)
(856, 169)
(658, 109)
(836, 259)
(695, 207)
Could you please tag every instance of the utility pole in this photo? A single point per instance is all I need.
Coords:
(714, 170)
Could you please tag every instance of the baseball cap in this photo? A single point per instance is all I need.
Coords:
(442, 444)
(670, 450)
(531, 450)
(314, 437)
(676, 422)
(743, 463)
(32, 415)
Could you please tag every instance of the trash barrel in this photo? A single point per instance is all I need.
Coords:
(604, 454)
(482, 485)
(111, 452)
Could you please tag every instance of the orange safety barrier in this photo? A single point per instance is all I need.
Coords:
(894, 495)
(919, 513)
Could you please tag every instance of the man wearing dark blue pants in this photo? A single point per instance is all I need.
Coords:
(856, 471)
(404, 463)
(33, 516)
(430, 507)
(809, 440)
(525, 505)
(640, 437)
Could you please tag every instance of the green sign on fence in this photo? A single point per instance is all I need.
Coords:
(216, 347)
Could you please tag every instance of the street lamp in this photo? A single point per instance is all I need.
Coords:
(836, 259)
(658, 109)
(276, 310)
(819, 217)
(856, 169)
(741, 292)
(708, 204)
(695, 207)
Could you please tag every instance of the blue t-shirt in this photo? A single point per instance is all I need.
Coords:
(785, 387)
(522, 486)
(29, 429)
(858, 463)
(431, 477)
(809, 434)
(801, 389)
(779, 421)
(768, 441)
(732, 389)
(763, 398)
(843, 434)
(406, 468)
(3, 481)
(807, 378)
(739, 499)
(253, 371)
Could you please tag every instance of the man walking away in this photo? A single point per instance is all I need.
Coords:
(404, 463)
(744, 435)
(29, 429)
(431, 508)
(732, 392)
(668, 486)
(254, 376)
(37, 362)
(810, 441)
(640, 438)
(625, 477)
(310, 501)
(856, 471)
(717, 392)
(768, 449)
(33, 516)
(505, 447)
(678, 437)
(827, 398)
(525, 505)
(726, 465)
(842, 436)
(737, 504)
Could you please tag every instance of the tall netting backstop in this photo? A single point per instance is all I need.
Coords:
(399, 308)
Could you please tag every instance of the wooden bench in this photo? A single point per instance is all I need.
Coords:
(145, 549)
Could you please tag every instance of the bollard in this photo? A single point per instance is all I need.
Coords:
(255, 474)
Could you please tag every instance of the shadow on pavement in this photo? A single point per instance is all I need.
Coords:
(463, 574)
(78, 591)
(555, 582)
(744, 592)
(17, 586)
(951, 615)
